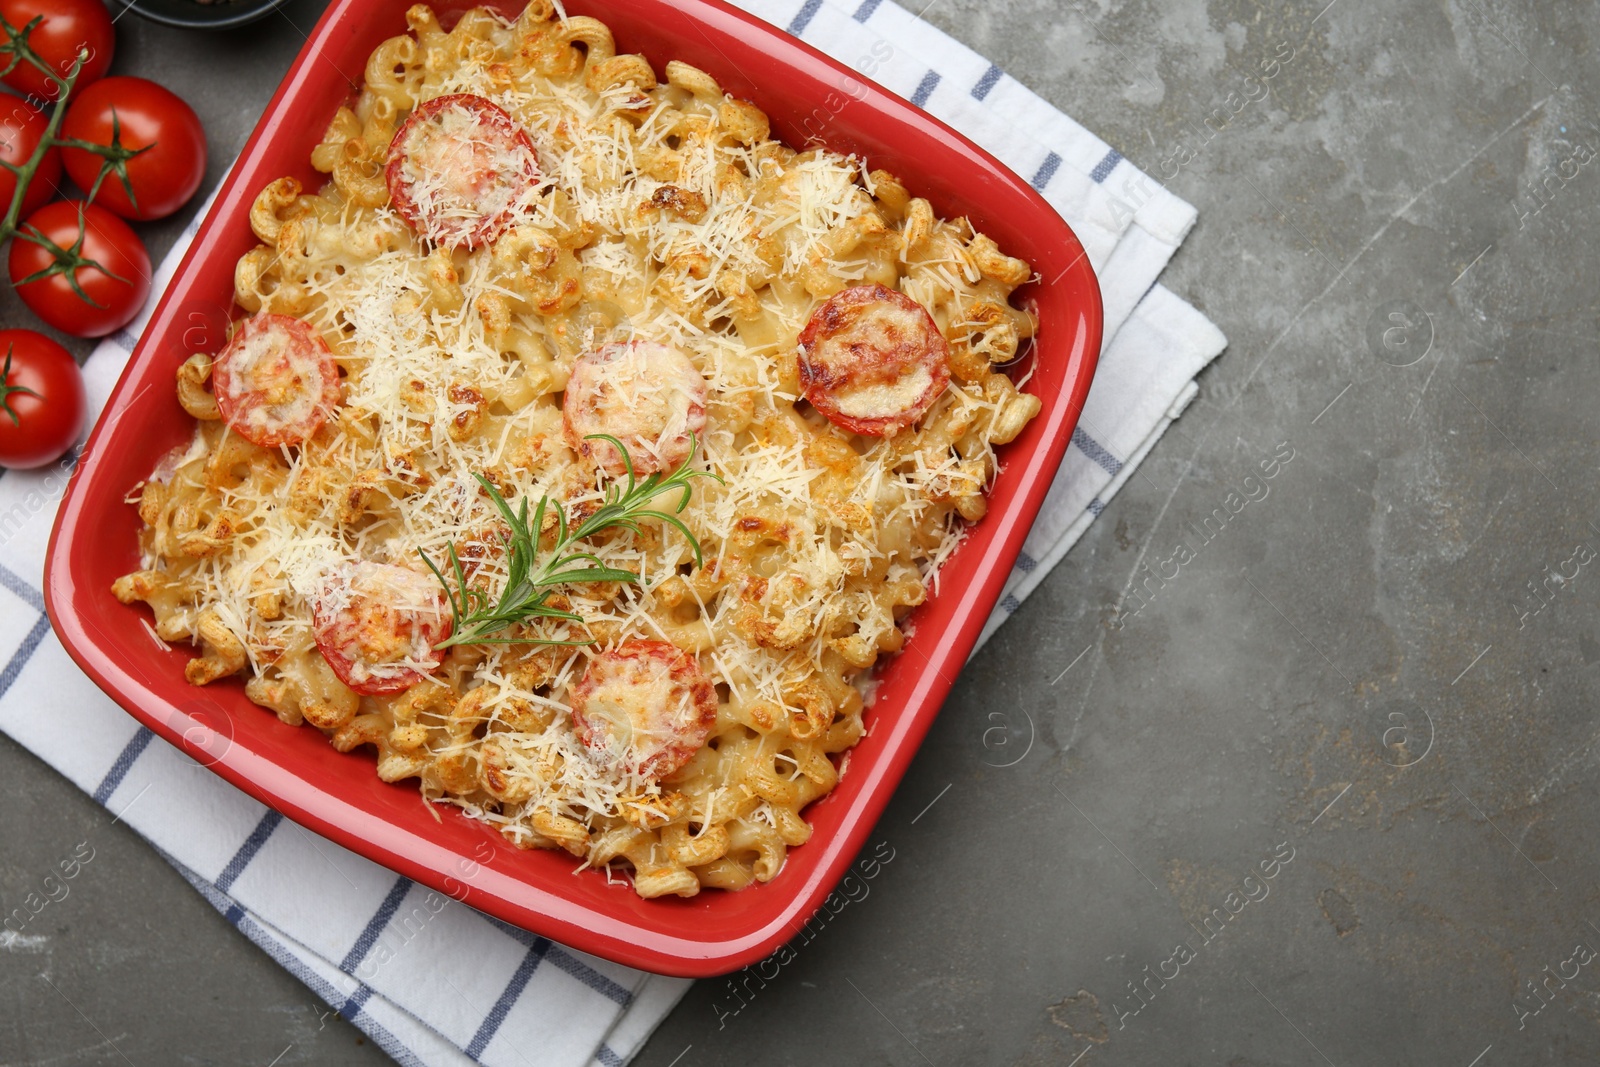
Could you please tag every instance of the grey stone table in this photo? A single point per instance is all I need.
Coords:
(1322, 792)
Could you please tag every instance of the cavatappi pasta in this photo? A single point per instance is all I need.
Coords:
(638, 237)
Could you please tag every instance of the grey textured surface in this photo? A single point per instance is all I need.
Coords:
(1352, 669)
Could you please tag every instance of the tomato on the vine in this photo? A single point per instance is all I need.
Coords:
(42, 401)
(157, 148)
(22, 127)
(68, 27)
(80, 268)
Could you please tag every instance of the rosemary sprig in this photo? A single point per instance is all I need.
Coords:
(530, 582)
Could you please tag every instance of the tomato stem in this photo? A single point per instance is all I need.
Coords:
(6, 389)
(19, 50)
(64, 261)
(114, 156)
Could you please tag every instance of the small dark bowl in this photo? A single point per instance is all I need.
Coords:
(192, 15)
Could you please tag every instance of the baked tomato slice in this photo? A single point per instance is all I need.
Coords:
(644, 707)
(376, 625)
(872, 360)
(648, 395)
(460, 170)
(276, 381)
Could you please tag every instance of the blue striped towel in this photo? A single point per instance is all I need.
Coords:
(437, 983)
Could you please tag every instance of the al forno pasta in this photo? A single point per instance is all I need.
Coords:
(541, 271)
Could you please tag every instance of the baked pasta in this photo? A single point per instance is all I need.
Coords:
(544, 271)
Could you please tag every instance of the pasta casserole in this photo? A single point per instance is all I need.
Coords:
(580, 448)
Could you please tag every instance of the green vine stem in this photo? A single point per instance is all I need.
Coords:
(20, 51)
(6, 389)
(114, 157)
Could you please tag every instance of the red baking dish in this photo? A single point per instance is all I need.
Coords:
(296, 771)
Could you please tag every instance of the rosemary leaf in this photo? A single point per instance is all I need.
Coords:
(530, 580)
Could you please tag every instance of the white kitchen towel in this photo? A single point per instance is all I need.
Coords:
(435, 983)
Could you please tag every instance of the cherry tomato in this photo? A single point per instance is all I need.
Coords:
(872, 360)
(133, 114)
(460, 169)
(644, 706)
(646, 394)
(276, 381)
(376, 625)
(22, 127)
(43, 402)
(68, 26)
(109, 263)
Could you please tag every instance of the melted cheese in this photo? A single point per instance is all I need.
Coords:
(286, 381)
(388, 478)
(462, 171)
